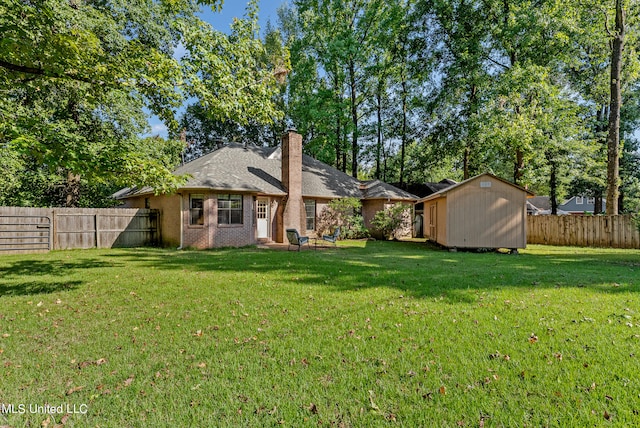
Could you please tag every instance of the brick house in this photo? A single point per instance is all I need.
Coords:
(240, 195)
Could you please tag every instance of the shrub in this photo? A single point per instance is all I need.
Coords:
(393, 221)
(342, 213)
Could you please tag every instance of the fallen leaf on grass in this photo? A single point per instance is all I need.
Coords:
(374, 406)
(443, 390)
(63, 421)
(606, 415)
(313, 408)
(85, 364)
(75, 389)
(533, 338)
(128, 381)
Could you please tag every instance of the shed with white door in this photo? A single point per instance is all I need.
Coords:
(482, 212)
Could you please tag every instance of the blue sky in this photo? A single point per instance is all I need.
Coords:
(235, 8)
(222, 21)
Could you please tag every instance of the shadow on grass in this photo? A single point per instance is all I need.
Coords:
(415, 268)
(26, 277)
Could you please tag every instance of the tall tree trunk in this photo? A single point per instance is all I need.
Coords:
(71, 189)
(338, 143)
(613, 138)
(354, 119)
(378, 130)
(403, 147)
(597, 205)
(465, 161)
(553, 183)
(338, 147)
(518, 167)
(343, 149)
(472, 111)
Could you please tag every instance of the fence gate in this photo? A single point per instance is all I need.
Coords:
(25, 233)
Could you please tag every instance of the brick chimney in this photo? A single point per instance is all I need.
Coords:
(292, 181)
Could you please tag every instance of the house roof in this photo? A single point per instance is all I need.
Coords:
(236, 167)
(377, 189)
(540, 202)
(444, 192)
(571, 205)
(426, 189)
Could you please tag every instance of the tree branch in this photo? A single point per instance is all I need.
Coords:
(506, 67)
(46, 73)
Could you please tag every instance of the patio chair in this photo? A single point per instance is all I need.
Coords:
(295, 239)
(332, 238)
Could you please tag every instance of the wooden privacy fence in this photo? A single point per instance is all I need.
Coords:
(619, 231)
(43, 229)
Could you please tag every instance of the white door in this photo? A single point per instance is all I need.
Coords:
(263, 218)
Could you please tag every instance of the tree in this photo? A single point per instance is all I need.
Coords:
(613, 138)
(76, 77)
(256, 114)
(338, 38)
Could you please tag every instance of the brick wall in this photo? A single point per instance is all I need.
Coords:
(197, 236)
(234, 235)
(293, 209)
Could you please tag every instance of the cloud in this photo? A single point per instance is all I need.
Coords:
(159, 129)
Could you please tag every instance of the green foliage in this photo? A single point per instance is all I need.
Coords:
(393, 221)
(345, 214)
(79, 78)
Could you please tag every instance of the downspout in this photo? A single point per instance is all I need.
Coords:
(181, 221)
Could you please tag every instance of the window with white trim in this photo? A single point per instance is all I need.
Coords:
(591, 201)
(310, 211)
(230, 209)
(579, 200)
(196, 209)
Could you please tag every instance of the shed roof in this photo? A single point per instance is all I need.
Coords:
(444, 192)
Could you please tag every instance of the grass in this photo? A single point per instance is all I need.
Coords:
(369, 334)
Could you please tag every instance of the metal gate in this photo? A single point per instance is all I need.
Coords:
(25, 233)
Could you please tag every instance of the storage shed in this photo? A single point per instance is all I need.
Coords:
(482, 212)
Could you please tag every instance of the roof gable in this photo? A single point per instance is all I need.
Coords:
(444, 192)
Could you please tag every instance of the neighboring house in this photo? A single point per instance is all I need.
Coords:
(541, 205)
(239, 195)
(577, 205)
(482, 212)
(538, 205)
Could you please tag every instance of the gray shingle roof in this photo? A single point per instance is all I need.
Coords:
(377, 189)
(235, 167)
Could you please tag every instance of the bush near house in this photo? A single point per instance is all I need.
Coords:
(345, 214)
(393, 221)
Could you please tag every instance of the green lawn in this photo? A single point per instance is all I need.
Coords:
(369, 334)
